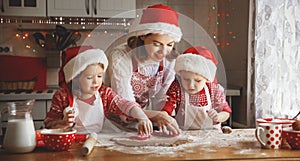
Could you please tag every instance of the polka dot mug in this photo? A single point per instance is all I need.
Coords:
(269, 135)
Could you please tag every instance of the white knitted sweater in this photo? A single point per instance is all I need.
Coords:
(120, 71)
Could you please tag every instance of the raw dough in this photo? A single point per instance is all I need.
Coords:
(296, 126)
(285, 144)
(226, 129)
(139, 137)
(152, 141)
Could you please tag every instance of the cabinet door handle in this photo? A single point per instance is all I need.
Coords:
(95, 7)
(87, 6)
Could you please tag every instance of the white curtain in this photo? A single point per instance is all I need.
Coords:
(277, 58)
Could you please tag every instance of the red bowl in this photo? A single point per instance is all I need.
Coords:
(292, 137)
(285, 122)
(58, 139)
(80, 138)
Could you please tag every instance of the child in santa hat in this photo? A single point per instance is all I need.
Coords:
(83, 99)
(142, 69)
(199, 102)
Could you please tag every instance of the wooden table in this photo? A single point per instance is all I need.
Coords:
(245, 150)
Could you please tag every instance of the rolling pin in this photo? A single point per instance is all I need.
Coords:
(89, 144)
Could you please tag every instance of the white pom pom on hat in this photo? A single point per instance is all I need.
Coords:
(159, 19)
(198, 60)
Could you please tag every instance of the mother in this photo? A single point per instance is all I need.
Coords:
(142, 69)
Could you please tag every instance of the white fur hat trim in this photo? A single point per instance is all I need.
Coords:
(78, 64)
(158, 27)
(196, 63)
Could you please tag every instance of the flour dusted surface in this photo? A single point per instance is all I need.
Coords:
(206, 140)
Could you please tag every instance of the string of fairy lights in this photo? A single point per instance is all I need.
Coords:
(24, 34)
(212, 22)
(111, 27)
(219, 21)
(218, 25)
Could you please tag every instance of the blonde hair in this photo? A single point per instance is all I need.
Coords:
(74, 83)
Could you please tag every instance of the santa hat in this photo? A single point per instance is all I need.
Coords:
(75, 60)
(78, 61)
(158, 19)
(198, 60)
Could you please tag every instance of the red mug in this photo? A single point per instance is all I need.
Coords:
(269, 135)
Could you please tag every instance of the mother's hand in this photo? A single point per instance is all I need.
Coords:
(165, 122)
(145, 127)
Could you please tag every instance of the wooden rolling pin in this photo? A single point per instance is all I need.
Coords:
(89, 144)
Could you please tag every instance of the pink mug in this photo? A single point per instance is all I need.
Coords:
(269, 135)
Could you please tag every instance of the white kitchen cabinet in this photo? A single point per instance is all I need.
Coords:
(69, 8)
(92, 8)
(116, 8)
(23, 8)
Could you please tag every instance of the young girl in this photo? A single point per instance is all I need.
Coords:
(143, 69)
(199, 103)
(83, 99)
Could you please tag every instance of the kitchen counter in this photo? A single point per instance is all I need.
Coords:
(241, 144)
(37, 95)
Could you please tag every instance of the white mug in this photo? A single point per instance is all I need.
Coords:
(269, 135)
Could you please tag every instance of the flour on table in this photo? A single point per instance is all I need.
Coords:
(207, 139)
(153, 141)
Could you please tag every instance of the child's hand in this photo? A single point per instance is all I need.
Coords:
(69, 117)
(213, 114)
(145, 127)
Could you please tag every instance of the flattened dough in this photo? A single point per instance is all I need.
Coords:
(152, 141)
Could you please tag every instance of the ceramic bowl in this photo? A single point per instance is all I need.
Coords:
(285, 122)
(58, 139)
(292, 137)
(80, 138)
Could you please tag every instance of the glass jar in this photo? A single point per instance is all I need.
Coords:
(20, 134)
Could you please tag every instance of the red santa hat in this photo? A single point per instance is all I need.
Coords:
(199, 60)
(158, 19)
(78, 60)
(74, 61)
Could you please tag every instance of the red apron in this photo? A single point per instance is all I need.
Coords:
(190, 117)
(145, 87)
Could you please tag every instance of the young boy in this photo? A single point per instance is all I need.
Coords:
(199, 102)
(83, 99)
